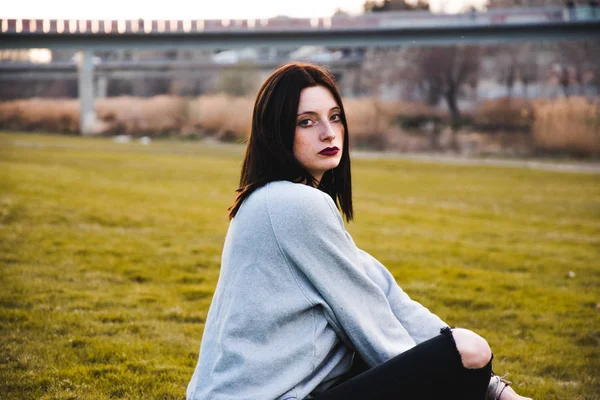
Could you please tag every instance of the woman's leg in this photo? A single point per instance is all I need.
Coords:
(455, 364)
(474, 351)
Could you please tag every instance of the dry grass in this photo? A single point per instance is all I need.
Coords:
(227, 117)
(156, 115)
(564, 125)
(367, 122)
(571, 125)
(54, 115)
(372, 122)
(506, 113)
(122, 115)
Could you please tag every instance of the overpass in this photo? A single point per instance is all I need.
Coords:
(375, 29)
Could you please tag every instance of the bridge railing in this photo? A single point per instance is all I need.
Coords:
(372, 20)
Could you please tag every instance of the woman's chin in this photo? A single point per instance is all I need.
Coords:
(329, 167)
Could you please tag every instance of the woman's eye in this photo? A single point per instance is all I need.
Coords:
(305, 123)
(336, 117)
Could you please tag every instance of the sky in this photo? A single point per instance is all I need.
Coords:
(198, 9)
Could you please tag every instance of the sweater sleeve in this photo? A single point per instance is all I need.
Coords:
(420, 323)
(311, 235)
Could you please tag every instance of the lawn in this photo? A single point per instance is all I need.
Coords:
(109, 255)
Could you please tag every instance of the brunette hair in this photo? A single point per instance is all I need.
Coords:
(269, 152)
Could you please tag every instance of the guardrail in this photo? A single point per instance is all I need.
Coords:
(369, 21)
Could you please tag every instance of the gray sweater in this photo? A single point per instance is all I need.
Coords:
(295, 299)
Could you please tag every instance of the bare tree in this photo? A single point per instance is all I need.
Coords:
(508, 72)
(528, 67)
(580, 65)
(444, 71)
(440, 72)
(514, 62)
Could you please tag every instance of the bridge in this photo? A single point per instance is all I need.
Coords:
(375, 29)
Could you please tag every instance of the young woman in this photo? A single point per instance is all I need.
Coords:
(299, 311)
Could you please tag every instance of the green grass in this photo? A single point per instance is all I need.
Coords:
(109, 255)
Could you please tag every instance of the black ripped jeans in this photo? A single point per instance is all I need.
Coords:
(432, 370)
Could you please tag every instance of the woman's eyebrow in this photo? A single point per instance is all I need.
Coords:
(314, 112)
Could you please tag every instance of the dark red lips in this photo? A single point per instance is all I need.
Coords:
(329, 151)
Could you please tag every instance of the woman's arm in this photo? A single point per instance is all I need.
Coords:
(327, 266)
(420, 323)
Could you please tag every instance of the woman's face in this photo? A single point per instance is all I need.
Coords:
(319, 135)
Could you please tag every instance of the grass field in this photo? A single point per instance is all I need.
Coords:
(110, 252)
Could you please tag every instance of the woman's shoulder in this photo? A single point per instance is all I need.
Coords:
(284, 194)
(290, 203)
(281, 195)
(290, 191)
(295, 203)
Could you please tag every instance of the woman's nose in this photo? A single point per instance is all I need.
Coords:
(328, 133)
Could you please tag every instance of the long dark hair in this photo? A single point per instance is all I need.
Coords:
(269, 152)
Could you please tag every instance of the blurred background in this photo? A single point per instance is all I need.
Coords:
(512, 98)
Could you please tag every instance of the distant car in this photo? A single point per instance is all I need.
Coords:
(95, 59)
(315, 54)
(235, 56)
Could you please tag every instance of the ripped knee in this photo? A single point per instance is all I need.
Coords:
(473, 349)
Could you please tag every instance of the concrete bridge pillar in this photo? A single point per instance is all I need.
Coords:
(87, 114)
